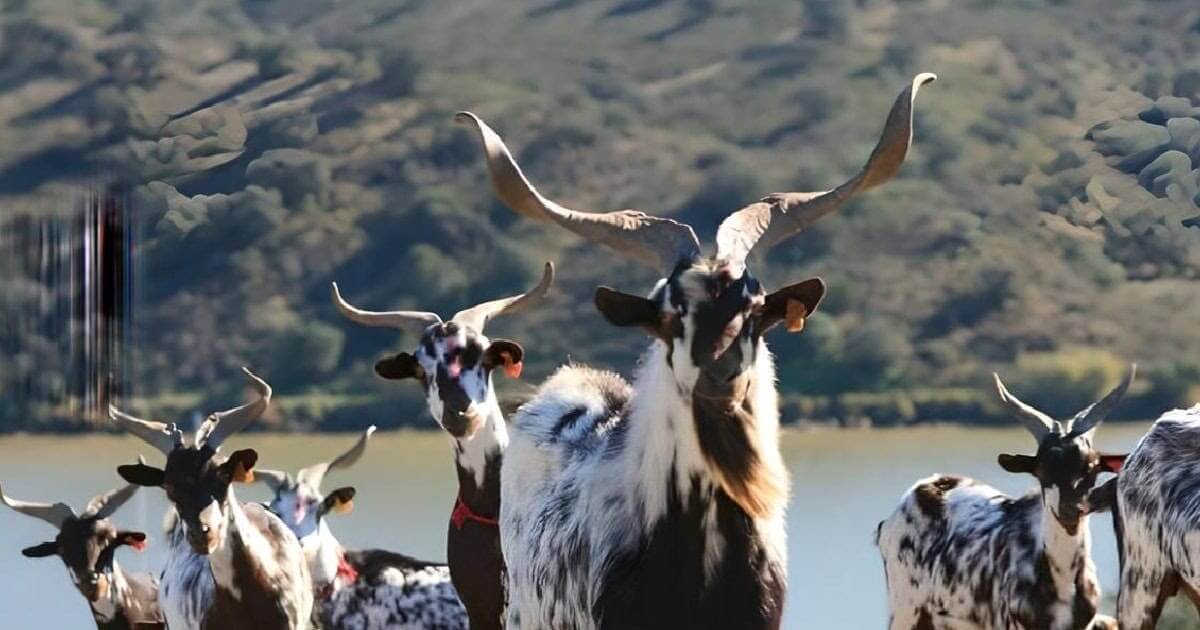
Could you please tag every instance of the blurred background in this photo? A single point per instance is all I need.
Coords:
(181, 181)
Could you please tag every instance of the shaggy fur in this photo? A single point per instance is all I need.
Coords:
(1158, 519)
(656, 505)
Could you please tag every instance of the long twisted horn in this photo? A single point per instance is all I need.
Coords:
(315, 474)
(652, 240)
(107, 504)
(56, 514)
(160, 435)
(412, 321)
(1038, 423)
(781, 215)
(478, 316)
(223, 424)
(1091, 417)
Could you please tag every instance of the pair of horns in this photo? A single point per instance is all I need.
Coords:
(475, 317)
(663, 242)
(56, 514)
(1041, 425)
(312, 476)
(215, 429)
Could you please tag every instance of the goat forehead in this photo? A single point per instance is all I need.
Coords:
(1063, 459)
(81, 540)
(441, 343)
(711, 283)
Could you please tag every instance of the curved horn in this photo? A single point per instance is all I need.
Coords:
(161, 436)
(56, 514)
(1038, 423)
(107, 504)
(413, 321)
(274, 479)
(478, 316)
(781, 215)
(223, 424)
(652, 240)
(315, 474)
(1091, 417)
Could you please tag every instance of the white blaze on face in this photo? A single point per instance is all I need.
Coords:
(297, 508)
(447, 358)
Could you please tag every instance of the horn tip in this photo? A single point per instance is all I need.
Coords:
(465, 117)
(925, 78)
(371, 430)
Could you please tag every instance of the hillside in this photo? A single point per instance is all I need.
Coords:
(1040, 228)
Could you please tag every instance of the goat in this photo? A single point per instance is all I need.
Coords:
(958, 553)
(454, 362)
(661, 504)
(87, 544)
(1157, 519)
(359, 589)
(230, 565)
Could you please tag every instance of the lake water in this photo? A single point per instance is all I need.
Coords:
(844, 483)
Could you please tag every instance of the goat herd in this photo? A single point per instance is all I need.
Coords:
(653, 504)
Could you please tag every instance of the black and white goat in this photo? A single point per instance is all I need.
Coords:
(661, 504)
(958, 553)
(1157, 518)
(230, 565)
(454, 363)
(87, 543)
(366, 590)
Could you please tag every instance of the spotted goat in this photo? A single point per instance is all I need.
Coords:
(1157, 519)
(661, 503)
(958, 553)
(87, 543)
(365, 590)
(454, 363)
(230, 565)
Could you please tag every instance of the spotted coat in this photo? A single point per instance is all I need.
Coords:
(1158, 519)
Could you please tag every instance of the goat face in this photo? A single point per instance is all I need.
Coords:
(87, 547)
(454, 363)
(198, 487)
(302, 508)
(1066, 467)
(711, 317)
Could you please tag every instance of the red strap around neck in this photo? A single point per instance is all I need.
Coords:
(345, 572)
(463, 513)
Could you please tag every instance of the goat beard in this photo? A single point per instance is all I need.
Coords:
(727, 430)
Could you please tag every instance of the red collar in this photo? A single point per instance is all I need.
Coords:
(463, 513)
(345, 572)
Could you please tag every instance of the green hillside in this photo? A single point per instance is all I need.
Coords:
(1039, 228)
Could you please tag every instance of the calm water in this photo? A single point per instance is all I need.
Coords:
(844, 482)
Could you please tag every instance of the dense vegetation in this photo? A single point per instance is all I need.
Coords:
(1040, 228)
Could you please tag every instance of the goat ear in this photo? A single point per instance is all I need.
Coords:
(1018, 463)
(43, 550)
(137, 540)
(1112, 463)
(506, 354)
(400, 367)
(1102, 498)
(340, 501)
(792, 304)
(141, 475)
(624, 310)
(239, 468)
